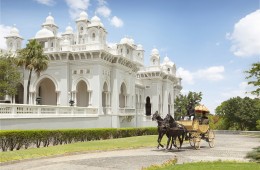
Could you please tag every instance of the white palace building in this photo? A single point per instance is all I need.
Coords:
(109, 86)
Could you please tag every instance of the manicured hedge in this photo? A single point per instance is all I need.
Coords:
(17, 139)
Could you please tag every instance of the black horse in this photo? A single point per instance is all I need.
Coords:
(174, 130)
(161, 127)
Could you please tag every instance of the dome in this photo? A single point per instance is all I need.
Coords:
(124, 40)
(131, 41)
(69, 30)
(167, 61)
(95, 21)
(127, 41)
(139, 47)
(49, 20)
(44, 33)
(83, 16)
(155, 52)
(14, 32)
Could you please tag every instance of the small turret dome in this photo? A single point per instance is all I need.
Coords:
(139, 47)
(14, 32)
(83, 16)
(49, 20)
(131, 41)
(155, 53)
(44, 33)
(124, 40)
(167, 61)
(69, 30)
(95, 21)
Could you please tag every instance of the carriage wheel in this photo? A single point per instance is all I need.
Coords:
(211, 138)
(196, 141)
(191, 140)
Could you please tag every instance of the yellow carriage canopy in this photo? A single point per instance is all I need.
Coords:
(201, 109)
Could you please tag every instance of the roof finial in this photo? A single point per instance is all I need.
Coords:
(49, 13)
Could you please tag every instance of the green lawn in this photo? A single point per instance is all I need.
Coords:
(217, 165)
(112, 144)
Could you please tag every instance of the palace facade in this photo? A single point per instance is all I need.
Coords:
(85, 72)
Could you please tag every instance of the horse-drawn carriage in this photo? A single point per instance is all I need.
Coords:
(194, 129)
(196, 132)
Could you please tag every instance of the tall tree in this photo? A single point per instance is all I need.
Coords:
(9, 75)
(254, 75)
(240, 113)
(184, 103)
(32, 59)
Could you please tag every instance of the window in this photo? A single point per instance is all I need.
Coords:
(93, 36)
(168, 69)
(127, 51)
(81, 29)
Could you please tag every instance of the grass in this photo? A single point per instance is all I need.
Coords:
(90, 146)
(216, 165)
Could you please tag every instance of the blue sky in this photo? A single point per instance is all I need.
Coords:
(212, 42)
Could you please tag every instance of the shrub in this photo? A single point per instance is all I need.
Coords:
(16, 139)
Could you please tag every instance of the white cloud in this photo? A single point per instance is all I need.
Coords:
(103, 11)
(4, 31)
(102, 2)
(242, 90)
(117, 22)
(246, 36)
(77, 6)
(214, 73)
(185, 75)
(46, 2)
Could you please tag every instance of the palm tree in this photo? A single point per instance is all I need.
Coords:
(32, 59)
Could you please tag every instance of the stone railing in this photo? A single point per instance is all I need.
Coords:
(32, 111)
(126, 111)
(107, 110)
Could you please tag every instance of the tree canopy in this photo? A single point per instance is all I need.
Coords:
(32, 59)
(240, 113)
(254, 76)
(9, 75)
(184, 103)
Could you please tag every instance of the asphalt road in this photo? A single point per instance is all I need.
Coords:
(227, 147)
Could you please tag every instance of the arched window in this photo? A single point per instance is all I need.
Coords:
(93, 36)
(81, 29)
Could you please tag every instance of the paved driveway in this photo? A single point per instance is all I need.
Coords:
(227, 147)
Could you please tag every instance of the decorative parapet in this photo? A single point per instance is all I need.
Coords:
(43, 111)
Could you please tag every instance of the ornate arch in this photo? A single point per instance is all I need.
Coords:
(75, 82)
(126, 85)
(41, 78)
